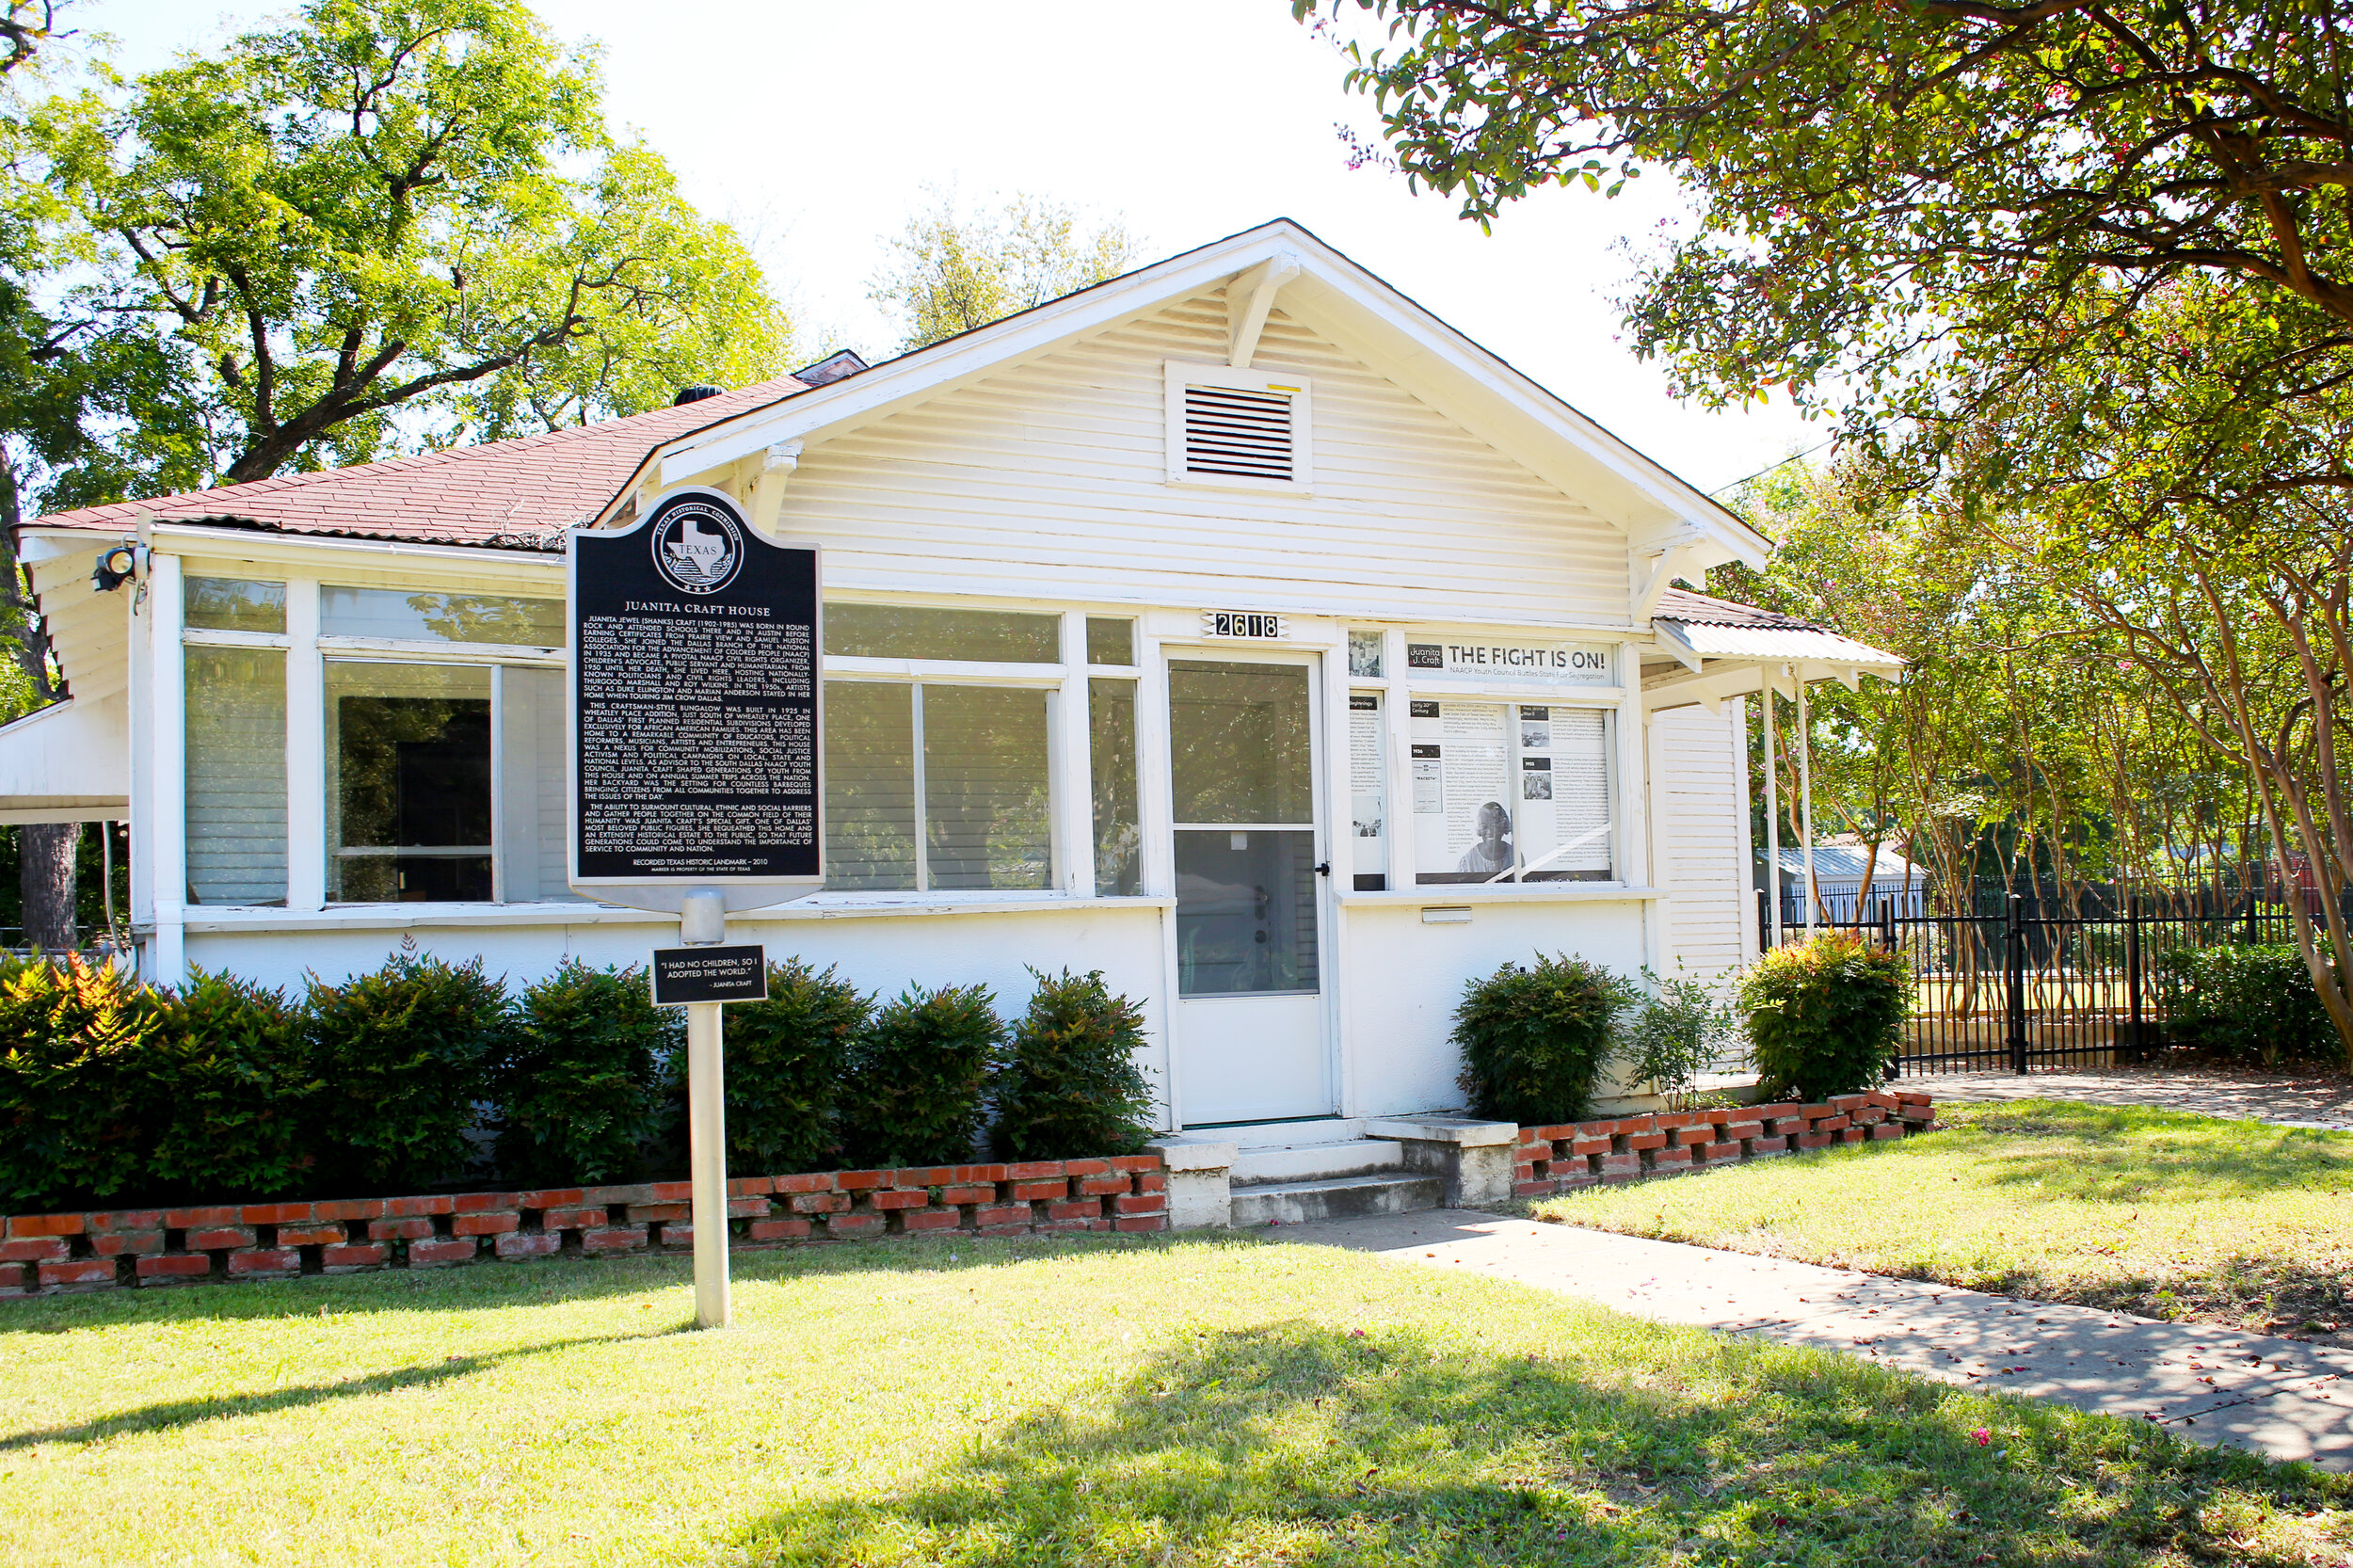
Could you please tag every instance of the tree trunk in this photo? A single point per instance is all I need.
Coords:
(46, 852)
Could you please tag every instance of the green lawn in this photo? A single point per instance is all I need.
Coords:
(2150, 1211)
(1195, 1401)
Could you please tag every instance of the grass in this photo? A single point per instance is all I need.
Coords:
(2157, 1212)
(1188, 1400)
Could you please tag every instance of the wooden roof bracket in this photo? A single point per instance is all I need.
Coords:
(1248, 298)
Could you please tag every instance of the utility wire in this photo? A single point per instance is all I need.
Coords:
(1769, 467)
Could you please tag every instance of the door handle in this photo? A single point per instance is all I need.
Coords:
(1325, 868)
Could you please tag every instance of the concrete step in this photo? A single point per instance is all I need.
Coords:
(1292, 1203)
(1284, 1135)
(1257, 1167)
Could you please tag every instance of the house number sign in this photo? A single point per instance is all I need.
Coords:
(1246, 625)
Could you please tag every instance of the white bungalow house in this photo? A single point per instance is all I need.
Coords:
(1235, 627)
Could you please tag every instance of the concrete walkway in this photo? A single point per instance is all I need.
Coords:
(2277, 1397)
(2289, 1100)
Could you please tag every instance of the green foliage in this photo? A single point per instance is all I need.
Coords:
(2243, 1002)
(406, 1054)
(785, 1061)
(230, 1083)
(1674, 1033)
(73, 1097)
(1070, 1087)
(1825, 1016)
(916, 1078)
(581, 1090)
(951, 273)
(1534, 1041)
(386, 218)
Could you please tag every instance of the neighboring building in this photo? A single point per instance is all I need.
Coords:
(1839, 869)
(1235, 627)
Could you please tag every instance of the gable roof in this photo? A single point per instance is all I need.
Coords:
(1321, 290)
(518, 494)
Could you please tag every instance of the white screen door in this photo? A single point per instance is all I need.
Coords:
(1249, 959)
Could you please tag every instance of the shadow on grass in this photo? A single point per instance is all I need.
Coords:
(1310, 1444)
(182, 1413)
(2122, 1154)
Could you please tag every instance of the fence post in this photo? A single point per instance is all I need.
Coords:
(2253, 936)
(2132, 975)
(2014, 933)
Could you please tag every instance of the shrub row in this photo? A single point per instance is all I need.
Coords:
(1821, 1018)
(425, 1074)
(2250, 1003)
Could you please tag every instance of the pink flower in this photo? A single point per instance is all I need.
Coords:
(1982, 1437)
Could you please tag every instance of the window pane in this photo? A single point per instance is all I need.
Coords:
(532, 776)
(1246, 911)
(914, 632)
(1110, 640)
(1238, 742)
(232, 605)
(984, 787)
(870, 785)
(1111, 758)
(1564, 793)
(408, 782)
(236, 740)
(449, 617)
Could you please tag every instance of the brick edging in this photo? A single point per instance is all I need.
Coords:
(40, 1253)
(1675, 1143)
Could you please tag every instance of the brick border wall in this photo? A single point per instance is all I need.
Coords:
(1676, 1143)
(40, 1253)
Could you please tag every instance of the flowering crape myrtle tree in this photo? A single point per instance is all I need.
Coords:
(2080, 272)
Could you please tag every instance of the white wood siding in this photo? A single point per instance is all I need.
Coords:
(1702, 838)
(1049, 481)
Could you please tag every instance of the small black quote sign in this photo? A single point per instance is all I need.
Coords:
(734, 973)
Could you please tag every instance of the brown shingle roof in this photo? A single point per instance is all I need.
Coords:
(516, 494)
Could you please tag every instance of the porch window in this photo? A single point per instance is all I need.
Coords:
(236, 774)
(936, 787)
(234, 604)
(409, 774)
(1511, 792)
(400, 615)
(921, 632)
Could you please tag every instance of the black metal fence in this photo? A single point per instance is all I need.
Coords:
(2050, 979)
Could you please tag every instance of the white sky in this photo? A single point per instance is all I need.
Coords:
(814, 126)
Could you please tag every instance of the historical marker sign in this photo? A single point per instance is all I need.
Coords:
(696, 759)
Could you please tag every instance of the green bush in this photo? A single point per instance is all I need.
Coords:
(1533, 1041)
(785, 1060)
(233, 1090)
(405, 1055)
(918, 1076)
(581, 1090)
(1675, 1034)
(1070, 1087)
(1826, 1017)
(2248, 1002)
(75, 1093)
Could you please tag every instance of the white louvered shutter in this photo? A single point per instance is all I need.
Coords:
(1238, 429)
(1235, 433)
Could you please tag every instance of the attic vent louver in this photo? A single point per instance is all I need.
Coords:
(1244, 435)
(1236, 428)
